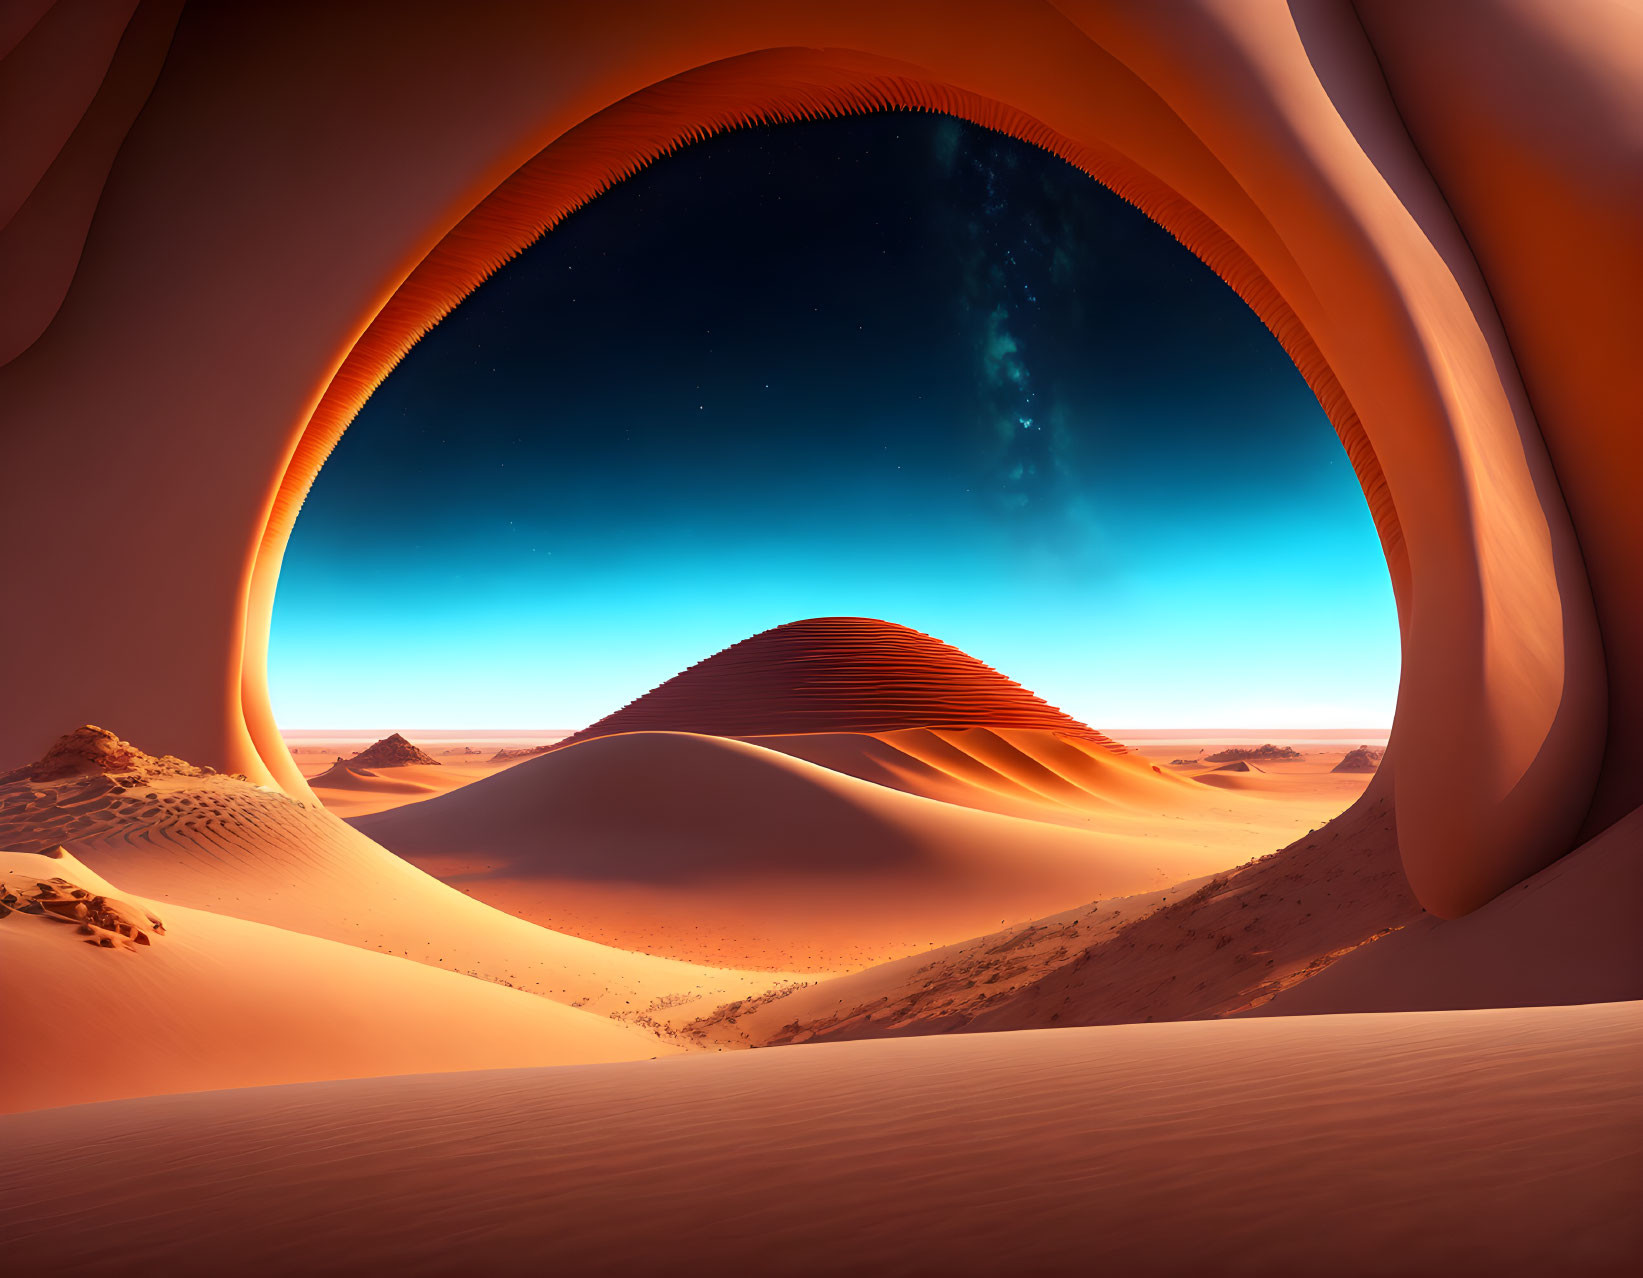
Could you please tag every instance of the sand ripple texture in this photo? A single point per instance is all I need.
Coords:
(1460, 1143)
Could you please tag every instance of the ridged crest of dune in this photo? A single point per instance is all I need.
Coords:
(838, 674)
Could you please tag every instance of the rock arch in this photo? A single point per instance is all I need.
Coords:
(293, 207)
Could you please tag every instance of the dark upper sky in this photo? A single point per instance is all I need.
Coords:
(889, 366)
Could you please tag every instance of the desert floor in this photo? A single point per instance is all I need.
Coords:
(249, 1036)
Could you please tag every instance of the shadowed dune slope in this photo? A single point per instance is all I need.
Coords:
(669, 841)
(1299, 1146)
(1204, 948)
(209, 1002)
(1571, 934)
(837, 674)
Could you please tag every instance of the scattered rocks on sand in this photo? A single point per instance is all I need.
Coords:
(104, 921)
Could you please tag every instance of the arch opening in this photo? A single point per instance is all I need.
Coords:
(774, 86)
(1333, 231)
(911, 292)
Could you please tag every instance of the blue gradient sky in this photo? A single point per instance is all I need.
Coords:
(891, 366)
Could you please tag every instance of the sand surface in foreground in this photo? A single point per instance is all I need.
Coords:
(1487, 1142)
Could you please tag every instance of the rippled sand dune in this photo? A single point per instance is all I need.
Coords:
(1423, 1143)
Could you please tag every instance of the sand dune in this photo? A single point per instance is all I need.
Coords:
(224, 845)
(389, 772)
(838, 674)
(210, 1002)
(724, 851)
(1498, 1142)
(349, 791)
(1203, 948)
(1571, 934)
(1042, 775)
(409, 779)
(1244, 778)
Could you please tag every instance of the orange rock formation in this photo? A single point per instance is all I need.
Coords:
(1448, 259)
(393, 751)
(1362, 759)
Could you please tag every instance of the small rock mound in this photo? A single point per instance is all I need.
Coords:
(1237, 765)
(90, 749)
(104, 921)
(1363, 759)
(1261, 754)
(391, 752)
(523, 752)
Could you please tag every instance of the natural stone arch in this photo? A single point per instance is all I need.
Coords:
(1277, 156)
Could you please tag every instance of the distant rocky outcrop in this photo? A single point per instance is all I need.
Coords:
(1363, 759)
(391, 752)
(521, 752)
(1261, 754)
(462, 750)
(90, 749)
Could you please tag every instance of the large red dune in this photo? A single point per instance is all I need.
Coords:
(837, 674)
(1414, 1143)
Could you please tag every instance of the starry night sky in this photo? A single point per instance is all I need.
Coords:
(888, 366)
